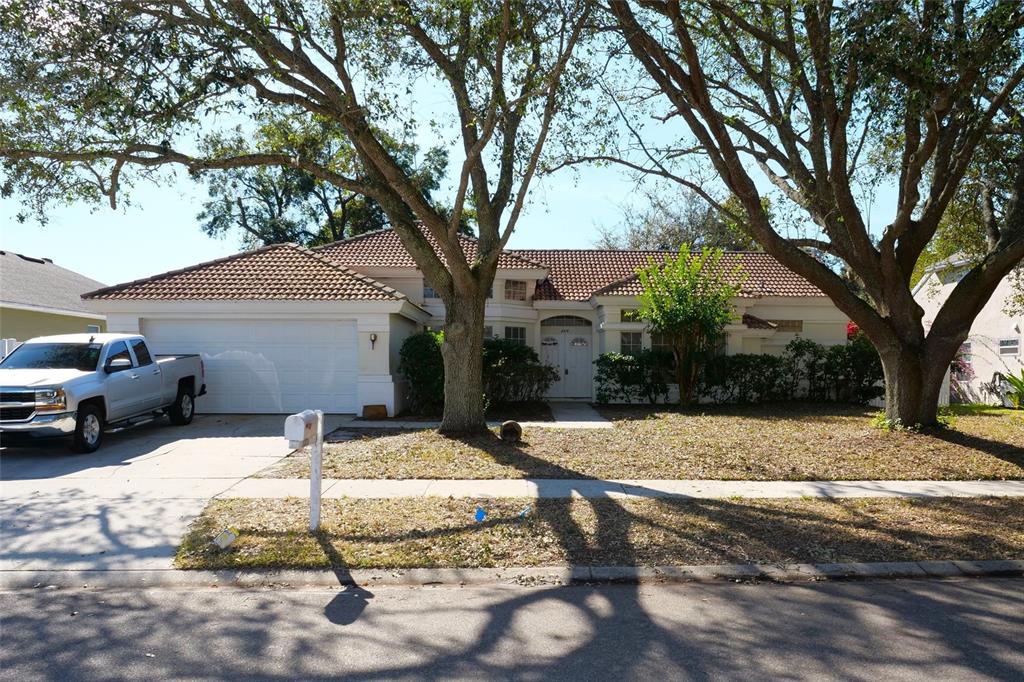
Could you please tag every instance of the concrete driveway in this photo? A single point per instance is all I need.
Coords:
(126, 505)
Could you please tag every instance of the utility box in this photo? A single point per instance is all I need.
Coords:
(300, 429)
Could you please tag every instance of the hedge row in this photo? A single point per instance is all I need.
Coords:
(805, 371)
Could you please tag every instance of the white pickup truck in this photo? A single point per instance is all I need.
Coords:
(80, 385)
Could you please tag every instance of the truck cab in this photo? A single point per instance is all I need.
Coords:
(79, 385)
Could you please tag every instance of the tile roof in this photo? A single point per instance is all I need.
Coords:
(38, 282)
(384, 249)
(577, 274)
(277, 272)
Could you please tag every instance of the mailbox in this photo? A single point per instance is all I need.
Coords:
(300, 429)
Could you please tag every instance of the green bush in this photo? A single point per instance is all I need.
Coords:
(805, 371)
(512, 372)
(421, 364)
(632, 378)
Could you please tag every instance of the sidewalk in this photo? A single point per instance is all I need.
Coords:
(623, 489)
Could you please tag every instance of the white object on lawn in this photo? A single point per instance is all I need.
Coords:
(226, 537)
(302, 429)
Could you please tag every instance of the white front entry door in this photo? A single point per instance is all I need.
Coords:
(568, 351)
(266, 366)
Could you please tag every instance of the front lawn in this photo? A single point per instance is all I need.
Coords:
(764, 442)
(437, 532)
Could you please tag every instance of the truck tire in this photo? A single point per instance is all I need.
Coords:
(183, 408)
(88, 429)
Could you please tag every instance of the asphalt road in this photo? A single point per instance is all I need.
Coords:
(891, 630)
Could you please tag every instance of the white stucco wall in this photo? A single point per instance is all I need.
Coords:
(992, 325)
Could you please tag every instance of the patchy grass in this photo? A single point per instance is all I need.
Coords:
(523, 412)
(773, 442)
(437, 532)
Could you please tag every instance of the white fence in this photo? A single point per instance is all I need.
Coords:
(7, 346)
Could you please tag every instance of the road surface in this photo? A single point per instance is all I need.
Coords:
(891, 630)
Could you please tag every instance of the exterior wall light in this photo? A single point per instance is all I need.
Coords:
(373, 340)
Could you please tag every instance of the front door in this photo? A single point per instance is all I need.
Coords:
(569, 352)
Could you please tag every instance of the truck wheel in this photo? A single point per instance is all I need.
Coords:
(184, 408)
(88, 429)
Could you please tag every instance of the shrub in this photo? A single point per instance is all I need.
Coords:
(805, 371)
(512, 372)
(748, 378)
(631, 378)
(421, 364)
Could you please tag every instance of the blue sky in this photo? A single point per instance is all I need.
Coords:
(159, 232)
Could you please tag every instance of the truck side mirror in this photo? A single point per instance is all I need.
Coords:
(117, 365)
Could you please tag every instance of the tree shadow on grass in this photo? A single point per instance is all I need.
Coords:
(1008, 452)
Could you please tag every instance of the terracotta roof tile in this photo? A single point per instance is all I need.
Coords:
(384, 249)
(576, 275)
(277, 272)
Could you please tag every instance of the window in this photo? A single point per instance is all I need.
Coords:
(488, 331)
(515, 290)
(517, 334)
(629, 315)
(92, 329)
(661, 342)
(141, 352)
(428, 291)
(80, 356)
(788, 325)
(118, 350)
(965, 352)
(630, 343)
(1009, 346)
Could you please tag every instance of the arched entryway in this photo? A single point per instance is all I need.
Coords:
(565, 344)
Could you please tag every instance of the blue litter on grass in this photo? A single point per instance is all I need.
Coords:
(480, 514)
(526, 511)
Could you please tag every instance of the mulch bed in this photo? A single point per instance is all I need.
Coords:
(436, 532)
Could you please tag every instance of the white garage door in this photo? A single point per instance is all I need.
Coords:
(266, 366)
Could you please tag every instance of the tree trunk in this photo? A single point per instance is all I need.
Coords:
(912, 383)
(462, 351)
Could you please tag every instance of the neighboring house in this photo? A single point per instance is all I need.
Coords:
(39, 298)
(284, 328)
(994, 344)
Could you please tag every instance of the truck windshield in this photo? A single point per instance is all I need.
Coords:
(81, 356)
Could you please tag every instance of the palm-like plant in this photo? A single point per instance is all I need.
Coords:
(1016, 392)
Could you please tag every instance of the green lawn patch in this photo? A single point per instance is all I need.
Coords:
(438, 532)
(758, 442)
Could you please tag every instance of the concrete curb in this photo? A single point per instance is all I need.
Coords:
(527, 576)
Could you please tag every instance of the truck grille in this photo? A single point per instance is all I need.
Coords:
(15, 413)
(17, 397)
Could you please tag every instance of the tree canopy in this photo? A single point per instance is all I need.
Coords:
(666, 221)
(819, 104)
(100, 96)
(274, 204)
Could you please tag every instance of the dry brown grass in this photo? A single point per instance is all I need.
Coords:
(435, 532)
(766, 442)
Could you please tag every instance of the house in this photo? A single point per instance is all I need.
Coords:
(38, 298)
(284, 328)
(993, 345)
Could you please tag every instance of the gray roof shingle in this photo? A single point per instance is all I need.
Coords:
(38, 282)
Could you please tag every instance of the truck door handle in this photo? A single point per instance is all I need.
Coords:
(133, 377)
(156, 371)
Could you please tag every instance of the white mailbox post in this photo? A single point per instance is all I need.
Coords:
(302, 429)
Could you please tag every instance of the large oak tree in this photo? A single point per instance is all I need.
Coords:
(820, 101)
(97, 96)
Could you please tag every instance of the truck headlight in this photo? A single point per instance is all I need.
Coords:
(51, 400)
